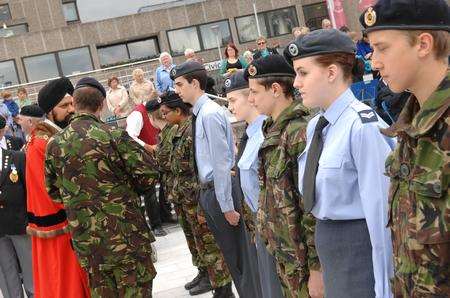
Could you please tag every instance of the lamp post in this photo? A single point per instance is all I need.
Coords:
(255, 11)
(215, 30)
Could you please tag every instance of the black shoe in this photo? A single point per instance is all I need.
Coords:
(170, 220)
(224, 292)
(196, 280)
(159, 232)
(203, 286)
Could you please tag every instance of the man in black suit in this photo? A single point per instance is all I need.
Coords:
(8, 142)
(15, 244)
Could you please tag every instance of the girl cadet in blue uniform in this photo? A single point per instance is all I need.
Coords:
(341, 171)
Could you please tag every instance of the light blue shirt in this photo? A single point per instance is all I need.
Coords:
(214, 149)
(163, 82)
(249, 164)
(350, 181)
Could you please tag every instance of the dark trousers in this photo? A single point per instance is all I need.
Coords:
(165, 209)
(234, 242)
(152, 208)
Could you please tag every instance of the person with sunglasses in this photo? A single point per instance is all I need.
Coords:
(263, 50)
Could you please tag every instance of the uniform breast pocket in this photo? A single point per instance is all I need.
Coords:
(331, 162)
(201, 144)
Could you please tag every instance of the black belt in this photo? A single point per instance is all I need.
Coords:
(207, 185)
(340, 220)
(48, 220)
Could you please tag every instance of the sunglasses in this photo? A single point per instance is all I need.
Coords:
(261, 43)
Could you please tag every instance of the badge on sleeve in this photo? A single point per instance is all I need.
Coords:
(368, 116)
(13, 176)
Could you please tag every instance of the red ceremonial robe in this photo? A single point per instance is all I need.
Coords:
(56, 271)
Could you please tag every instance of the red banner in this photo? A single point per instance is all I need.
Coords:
(337, 14)
(363, 4)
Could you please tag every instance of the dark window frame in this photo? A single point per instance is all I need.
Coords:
(15, 68)
(76, 10)
(314, 4)
(57, 59)
(126, 42)
(9, 11)
(199, 35)
(266, 22)
(19, 24)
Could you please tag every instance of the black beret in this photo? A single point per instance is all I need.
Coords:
(270, 66)
(153, 105)
(319, 42)
(406, 15)
(32, 111)
(53, 92)
(169, 98)
(185, 68)
(91, 82)
(2, 122)
(236, 82)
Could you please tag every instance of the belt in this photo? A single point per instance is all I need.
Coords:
(207, 185)
(48, 220)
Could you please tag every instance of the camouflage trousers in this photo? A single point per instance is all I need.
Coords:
(293, 282)
(188, 233)
(209, 255)
(249, 220)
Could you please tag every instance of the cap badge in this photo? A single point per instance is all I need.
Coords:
(227, 83)
(173, 72)
(293, 49)
(370, 17)
(159, 100)
(252, 70)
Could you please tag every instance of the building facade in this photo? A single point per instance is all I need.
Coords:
(44, 39)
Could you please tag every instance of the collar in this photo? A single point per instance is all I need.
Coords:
(52, 124)
(255, 126)
(84, 116)
(417, 121)
(294, 110)
(336, 109)
(199, 104)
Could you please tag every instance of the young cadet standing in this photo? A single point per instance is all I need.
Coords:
(341, 170)
(237, 91)
(285, 228)
(411, 47)
(214, 158)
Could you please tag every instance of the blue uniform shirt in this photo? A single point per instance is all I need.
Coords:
(163, 82)
(350, 181)
(248, 164)
(214, 149)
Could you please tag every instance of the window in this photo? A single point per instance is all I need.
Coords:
(200, 37)
(70, 11)
(57, 64)
(314, 14)
(124, 52)
(271, 23)
(8, 74)
(5, 14)
(19, 29)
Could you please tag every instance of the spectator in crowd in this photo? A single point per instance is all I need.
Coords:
(117, 98)
(163, 82)
(8, 142)
(29, 117)
(141, 90)
(326, 24)
(300, 31)
(248, 57)
(10, 103)
(263, 50)
(22, 96)
(232, 62)
(363, 47)
(10, 113)
(190, 55)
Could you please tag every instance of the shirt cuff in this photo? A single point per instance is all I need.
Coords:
(226, 205)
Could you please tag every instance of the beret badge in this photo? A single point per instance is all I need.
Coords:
(252, 70)
(173, 72)
(370, 17)
(227, 83)
(293, 49)
(159, 100)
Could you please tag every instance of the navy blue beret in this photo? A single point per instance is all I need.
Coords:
(91, 82)
(2, 122)
(236, 82)
(152, 105)
(32, 111)
(170, 97)
(53, 92)
(270, 66)
(406, 15)
(185, 68)
(319, 42)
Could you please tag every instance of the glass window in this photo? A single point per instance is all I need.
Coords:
(5, 14)
(70, 11)
(19, 29)
(282, 21)
(247, 29)
(143, 49)
(41, 67)
(314, 14)
(210, 31)
(183, 39)
(75, 61)
(8, 74)
(112, 54)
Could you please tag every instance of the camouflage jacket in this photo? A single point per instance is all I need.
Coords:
(165, 147)
(185, 185)
(419, 214)
(97, 172)
(289, 232)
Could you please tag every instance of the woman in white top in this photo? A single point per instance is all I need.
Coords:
(117, 98)
(141, 90)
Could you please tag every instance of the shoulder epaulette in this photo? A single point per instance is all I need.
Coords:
(365, 113)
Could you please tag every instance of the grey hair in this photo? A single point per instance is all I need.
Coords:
(164, 54)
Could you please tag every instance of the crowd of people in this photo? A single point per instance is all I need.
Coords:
(336, 203)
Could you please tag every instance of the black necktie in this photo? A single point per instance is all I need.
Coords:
(194, 119)
(241, 146)
(312, 163)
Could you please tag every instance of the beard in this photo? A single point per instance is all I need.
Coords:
(62, 123)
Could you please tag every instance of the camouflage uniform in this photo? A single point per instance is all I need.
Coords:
(97, 172)
(287, 231)
(419, 214)
(186, 192)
